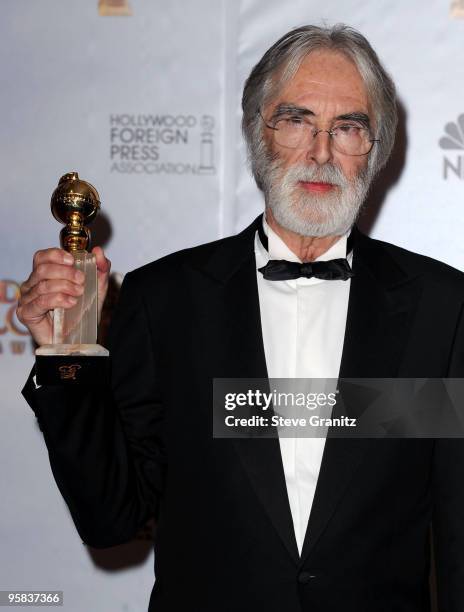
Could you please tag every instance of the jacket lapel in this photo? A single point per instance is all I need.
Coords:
(382, 302)
(381, 306)
(235, 267)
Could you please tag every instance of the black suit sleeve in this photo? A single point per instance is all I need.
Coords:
(448, 501)
(105, 442)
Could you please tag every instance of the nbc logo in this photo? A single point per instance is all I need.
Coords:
(453, 141)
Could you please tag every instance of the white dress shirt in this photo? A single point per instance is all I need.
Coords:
(303, 323)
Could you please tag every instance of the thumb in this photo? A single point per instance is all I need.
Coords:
(103, 263)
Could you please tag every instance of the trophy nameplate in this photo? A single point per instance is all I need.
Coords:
(74, 355)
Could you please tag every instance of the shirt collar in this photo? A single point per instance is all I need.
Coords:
(277, 249)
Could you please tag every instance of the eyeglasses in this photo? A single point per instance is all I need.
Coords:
(297, 132)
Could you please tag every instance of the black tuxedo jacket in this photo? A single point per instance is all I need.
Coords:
(141, 444)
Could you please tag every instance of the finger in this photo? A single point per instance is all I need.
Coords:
(103, 263)
(38, 308)
(51, 271)
(53, 255)
(52, 286)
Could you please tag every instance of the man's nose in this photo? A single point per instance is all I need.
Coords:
(320, 148)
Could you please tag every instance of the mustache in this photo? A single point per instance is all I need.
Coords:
(328, 173)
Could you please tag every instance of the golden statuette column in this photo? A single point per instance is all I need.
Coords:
(72, 355)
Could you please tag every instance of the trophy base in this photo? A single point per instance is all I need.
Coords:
(71, 364)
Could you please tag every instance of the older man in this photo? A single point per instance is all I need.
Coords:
(269, 524)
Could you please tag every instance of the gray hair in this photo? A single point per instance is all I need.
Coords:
(283, 59)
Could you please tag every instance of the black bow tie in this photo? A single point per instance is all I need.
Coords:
(335, 269)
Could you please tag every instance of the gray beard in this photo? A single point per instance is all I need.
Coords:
(310, 214)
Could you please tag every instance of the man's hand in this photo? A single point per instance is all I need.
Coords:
(55, 283)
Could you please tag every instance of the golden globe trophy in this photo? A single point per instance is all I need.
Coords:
(74, 355)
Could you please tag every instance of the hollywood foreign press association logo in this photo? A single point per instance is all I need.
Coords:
(162, 143)
(453, 140)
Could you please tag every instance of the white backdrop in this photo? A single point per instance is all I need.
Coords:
(147, 108)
